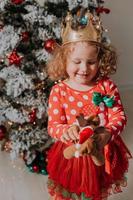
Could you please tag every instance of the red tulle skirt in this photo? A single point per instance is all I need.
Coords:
(78, 178)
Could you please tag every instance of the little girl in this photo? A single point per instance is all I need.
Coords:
(82, 64)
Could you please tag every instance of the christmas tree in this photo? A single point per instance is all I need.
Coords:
(28, 35)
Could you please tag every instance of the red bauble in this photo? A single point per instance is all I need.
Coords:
(14, 58)
(102, 10)
(2, 132)
(35, 168)
(49, 45)
(25, 36)
(85, 134)
(17, 1)
(106, 10)
(32, 116)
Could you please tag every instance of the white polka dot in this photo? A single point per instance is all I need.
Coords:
(114, 128)
(63, 93)
(73, 112)
(85, 97)
(120, 123)
(79, 104)
(55, 98)
(122, 113)
(51, 130)
(122, 117)
(71, 99)
(65, 105)
(62, 118)
(115, 109)
(50, 118)
(55, 111)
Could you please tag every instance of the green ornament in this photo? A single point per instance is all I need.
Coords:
(44, 172)
(30, 169)
(109, 102)
(97, 98)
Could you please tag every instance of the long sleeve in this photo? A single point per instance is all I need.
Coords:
(57, 122)
(116, 115)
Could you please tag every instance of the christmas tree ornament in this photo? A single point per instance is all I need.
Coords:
(25, 36)
(2, 132)
(14, 58)
(100, 10)
(32, 116)
(17, 2)
(49, 45)
(35, 168)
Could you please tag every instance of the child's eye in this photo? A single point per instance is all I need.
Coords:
(77, 62)
(91, 62)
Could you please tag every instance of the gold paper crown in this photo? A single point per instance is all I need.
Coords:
(92, 31)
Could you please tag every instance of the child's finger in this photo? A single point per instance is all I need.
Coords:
(63, 139)
(71, 135)
(66, 136)
(76, 134)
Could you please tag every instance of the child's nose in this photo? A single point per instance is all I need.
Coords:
(84, 67)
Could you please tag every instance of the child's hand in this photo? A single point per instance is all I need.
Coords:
(72, 134)
(102, 138)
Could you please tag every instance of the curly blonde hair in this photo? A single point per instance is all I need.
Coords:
(56, 67)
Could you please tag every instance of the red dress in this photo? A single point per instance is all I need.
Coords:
(79, 178)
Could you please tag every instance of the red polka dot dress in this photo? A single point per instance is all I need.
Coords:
(79, 178)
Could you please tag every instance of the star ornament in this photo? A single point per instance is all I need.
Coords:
(14, 58)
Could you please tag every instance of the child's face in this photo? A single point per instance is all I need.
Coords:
(82, 62)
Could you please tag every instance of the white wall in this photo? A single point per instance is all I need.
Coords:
(120, 25)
